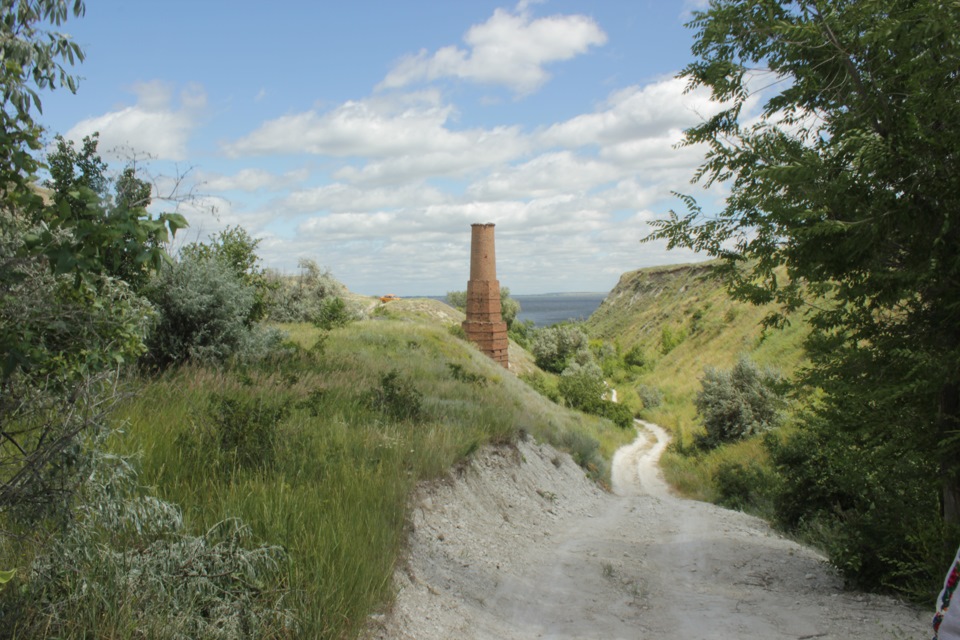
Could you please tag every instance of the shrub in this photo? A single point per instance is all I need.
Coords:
(740, 402)
(867, 503)
(461, 375)
(619, 414)
(302, 298)
(234, 248)
(556, 347)
(582, 387)
(204, 310)
(125, 562)
(741, 485)
(671, 338)
(397, 398)
(651, 397)
(539, 383)
(333, 313)
(244, 427)
(636, 357)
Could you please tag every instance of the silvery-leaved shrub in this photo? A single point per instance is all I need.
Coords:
(126, 562)
(204, 312)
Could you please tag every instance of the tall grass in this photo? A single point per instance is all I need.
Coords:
(333, 490)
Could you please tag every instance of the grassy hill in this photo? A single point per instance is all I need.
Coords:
(672, 322)
(317, 448)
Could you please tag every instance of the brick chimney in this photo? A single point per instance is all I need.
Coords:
(484, 325)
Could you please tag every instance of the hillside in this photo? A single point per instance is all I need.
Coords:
(672, 322)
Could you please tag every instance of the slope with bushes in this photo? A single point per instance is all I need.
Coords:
(669, 324)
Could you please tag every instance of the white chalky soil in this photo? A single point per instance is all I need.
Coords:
(520, 544)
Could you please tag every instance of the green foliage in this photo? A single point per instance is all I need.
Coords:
(582, 386)
(741, 485)
(843, 202)
(88, 233)
(636, 357)
(204, 311)
(334, 313)
(397, 398)
(124, 561)
(302, 298)
(618, 413)
(671, 338)
(522, 332)
(866, 503)
(538, 381)
(509, 307)
(234, 248)
(462, 375)
(650, 396)
(741, 402)
(242, 427)
(457, 299)
(554, 348)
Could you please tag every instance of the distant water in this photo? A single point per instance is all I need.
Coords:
(546, 309)
(551, 308)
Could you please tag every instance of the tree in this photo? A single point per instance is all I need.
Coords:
(556, 347)
(112, 235)
(237, 250)
(739, 402)
(66, 320)
(843, 197)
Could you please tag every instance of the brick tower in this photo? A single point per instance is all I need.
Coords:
(484, 325)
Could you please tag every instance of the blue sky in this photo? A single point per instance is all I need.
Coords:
(369, 135)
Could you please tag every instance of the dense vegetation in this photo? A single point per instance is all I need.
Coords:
(843, 206)
(190, 445)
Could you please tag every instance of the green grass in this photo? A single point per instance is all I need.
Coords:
(334, 491)
(706, 329)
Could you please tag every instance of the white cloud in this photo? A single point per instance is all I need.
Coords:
(341, 198)
(509, 49)
(548, 174)
(401, 138)
(153, 126)
(249, 180)
(634, 112)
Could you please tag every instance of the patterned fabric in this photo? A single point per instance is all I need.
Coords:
(946, 622)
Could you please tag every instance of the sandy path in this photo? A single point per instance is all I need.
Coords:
(523, 546)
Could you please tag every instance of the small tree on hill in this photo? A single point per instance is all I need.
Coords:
(739, 402)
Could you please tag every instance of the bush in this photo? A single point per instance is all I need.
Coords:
(651, 397)
(334, 313)
(740, 402)
(397, 398)
(204, 312)
(636, 357)
(619, 414)
(582, 387)
(741, 485)
(302, 298)
(671, 338)
(125, 562)
(244, 428)
(871, 505)
(554, 348)
(539, 383)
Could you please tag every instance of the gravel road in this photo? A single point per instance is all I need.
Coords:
(520, 544)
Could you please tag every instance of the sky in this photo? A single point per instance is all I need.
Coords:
(368, 135)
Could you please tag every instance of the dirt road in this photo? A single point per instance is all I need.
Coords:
(521, 545)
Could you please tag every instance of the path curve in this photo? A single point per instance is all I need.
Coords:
(523, 546)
